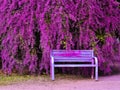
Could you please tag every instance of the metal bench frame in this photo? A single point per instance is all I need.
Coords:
(85, 56)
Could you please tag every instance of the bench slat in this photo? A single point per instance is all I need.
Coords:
(72, 53)
(72, 60)
(73, 57)
(74, 65)
(65, 59)
(72, 50)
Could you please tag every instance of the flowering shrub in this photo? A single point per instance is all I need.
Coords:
(29, 29)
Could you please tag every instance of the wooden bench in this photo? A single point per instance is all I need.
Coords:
(84, 58)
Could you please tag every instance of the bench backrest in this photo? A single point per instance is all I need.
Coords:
(72, 55)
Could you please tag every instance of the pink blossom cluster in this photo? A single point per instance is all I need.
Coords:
(30, 29)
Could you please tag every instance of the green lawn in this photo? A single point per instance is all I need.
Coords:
(4, 80)
(14, 78)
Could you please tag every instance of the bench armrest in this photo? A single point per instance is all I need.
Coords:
(52, 59)
(96, 60)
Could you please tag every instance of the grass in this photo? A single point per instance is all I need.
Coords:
(15, 78)
(68, 77)
(5, 80)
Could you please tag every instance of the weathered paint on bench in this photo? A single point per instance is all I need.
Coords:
(73, 56)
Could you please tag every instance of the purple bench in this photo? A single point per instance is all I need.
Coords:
(58, 57)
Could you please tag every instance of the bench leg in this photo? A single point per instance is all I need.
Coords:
(92, 74)
(96, 73)
(52, 68)
(52, 71)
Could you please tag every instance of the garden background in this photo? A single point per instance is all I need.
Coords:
(30, 29)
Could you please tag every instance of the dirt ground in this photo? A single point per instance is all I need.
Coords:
(104, 83)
